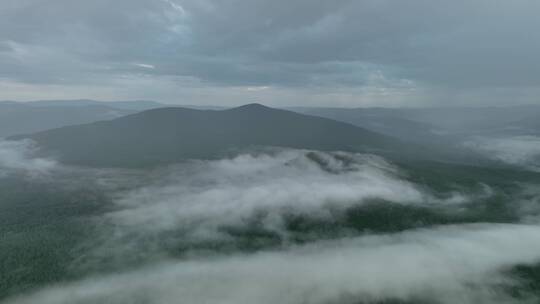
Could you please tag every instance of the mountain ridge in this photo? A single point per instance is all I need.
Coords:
(167, 135)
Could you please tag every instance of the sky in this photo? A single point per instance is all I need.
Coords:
(281, 53)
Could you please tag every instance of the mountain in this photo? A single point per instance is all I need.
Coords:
(168, 135)
(22, 118)
(384, 121)
(438, 125)
(468, 121)
(35, 116)
(134, 105)
(527, 126)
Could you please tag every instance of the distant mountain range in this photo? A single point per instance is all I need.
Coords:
(379, 120)
(118, 134)
(34, 116)
(135, 105)
(423, 125)
(438, 124)
(168, 135)
(16, 118)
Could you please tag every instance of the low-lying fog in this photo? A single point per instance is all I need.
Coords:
(285, 226)
(523, 151)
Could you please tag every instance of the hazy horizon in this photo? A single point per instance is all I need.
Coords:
(292, 106)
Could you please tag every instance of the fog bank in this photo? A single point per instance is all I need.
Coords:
(453, 264)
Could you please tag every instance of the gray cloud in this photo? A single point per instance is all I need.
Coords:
(344, 52)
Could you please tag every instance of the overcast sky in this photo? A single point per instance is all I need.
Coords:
(277, 52)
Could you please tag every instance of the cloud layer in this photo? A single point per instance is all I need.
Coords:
(301, 52)
(259, 201)
(201, 198)
(455, 264)
(296, 180)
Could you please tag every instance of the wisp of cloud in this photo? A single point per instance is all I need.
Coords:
(523, 151)
(17, 156)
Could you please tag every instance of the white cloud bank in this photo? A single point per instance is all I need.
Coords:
(453, 264)
(522, 151)
(200, 197)
(17, 156)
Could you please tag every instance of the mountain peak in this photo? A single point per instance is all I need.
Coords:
(252, 107)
